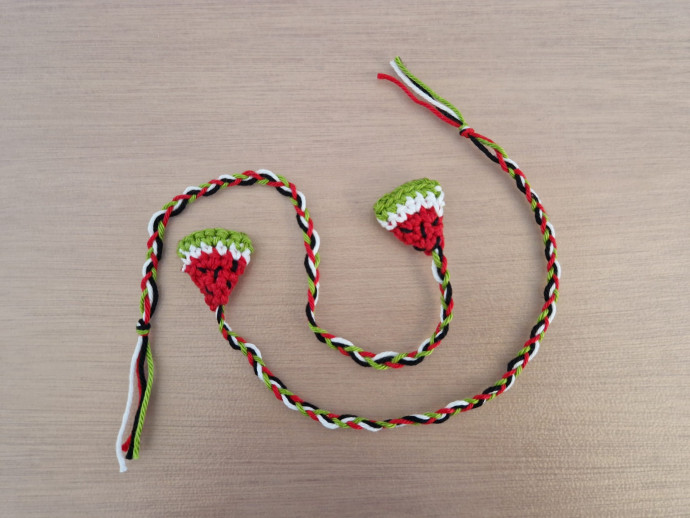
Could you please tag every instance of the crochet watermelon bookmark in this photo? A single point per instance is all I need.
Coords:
(215, 258)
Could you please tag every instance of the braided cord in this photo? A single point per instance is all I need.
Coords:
(515, 366)
(142, 360)
(142, 366)
(329, 419)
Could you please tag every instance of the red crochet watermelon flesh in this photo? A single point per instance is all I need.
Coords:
(215, 259)
(215, 275)
(423, 230)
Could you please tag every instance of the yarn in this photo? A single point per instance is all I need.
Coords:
(214, 259)
(413, 212)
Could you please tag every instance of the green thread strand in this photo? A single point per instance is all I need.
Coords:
(433, 94)
(145, 401)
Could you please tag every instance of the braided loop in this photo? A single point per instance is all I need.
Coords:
(149, 296)
(380, 361)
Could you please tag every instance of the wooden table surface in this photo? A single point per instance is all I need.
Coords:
(109, 111)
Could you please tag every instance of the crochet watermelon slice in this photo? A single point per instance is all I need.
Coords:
(414, 213)
(215, 258)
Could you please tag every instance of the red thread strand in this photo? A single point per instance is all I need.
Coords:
(428, 106)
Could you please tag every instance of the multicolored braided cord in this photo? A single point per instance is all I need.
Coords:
(411, 199)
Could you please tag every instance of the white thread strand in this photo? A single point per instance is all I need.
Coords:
(130, 398)
(434, 271)
(143, 268)
(421, 94)
(460, 403)
(266, 172)
(153, 218)
(552, 231)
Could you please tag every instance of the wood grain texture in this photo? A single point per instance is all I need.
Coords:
(108, 111)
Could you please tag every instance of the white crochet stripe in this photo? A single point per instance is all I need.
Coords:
(430, 200)
(195, 252)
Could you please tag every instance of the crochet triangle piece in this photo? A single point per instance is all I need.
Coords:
(215, 258)
(414, 213)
